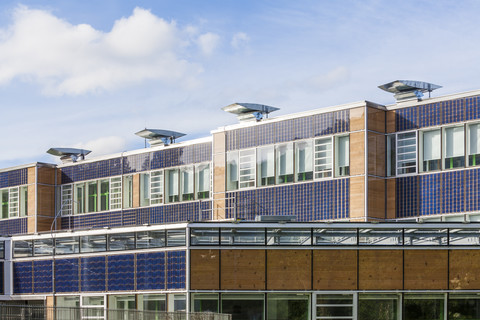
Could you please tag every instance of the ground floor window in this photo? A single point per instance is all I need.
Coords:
(205, 302)
(463, 306)
(288, 306)
(152, 302)
(424, 306)
(244, 306)
(335, 306)
(378, 306)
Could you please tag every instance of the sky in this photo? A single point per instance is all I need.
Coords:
(89, 74)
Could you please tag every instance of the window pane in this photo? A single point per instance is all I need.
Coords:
(127, 191)
(79, 203)
(121, 241)
(202, 181)
(474, 144)
(323, 158)
(464, 237)
(172, 194)
(266, 166)
(104, 195)
(92, 196)
(144, 189)
(288, 306)
(205, 302)
(4, 197)
(463, 306)
(232, 170)
(381, 237)
(43, 247)
(199, 237)
(330, 237)
(391, 155)
(406, 153)
(115, 193)
(342, 153)
(242, 236)
(95, 243)
(423, 307)
(176, 238)
(156, 187)
(281, 237)
(431, 150)
(13, 202)
(24, 201)
(150, 239)
(247, 168)
(243, 306)
(454, 147)
(186, 183)
(284, 164)
(153, 302)
(378, 307)
(335, 305)
(304, 160)
(67, 245)
(22, 249)
(425, 237)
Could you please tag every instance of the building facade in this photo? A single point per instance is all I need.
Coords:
(359, 211)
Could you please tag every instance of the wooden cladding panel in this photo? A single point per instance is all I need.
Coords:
(464, 273)
(204, 269)
(46, 175)
(357, 119)
(46, 224)
(31, 224)
(376, 119)
(289, 269)
(136, 191)
(390, 119)
(380, 270)
(243, 270)
(376, 198)
(219, 206)
(334, 269)
(31, 175)
(357, 198)
(31, 200)
(219, 173)
(391, 191)
(376, 154)
(357, 153)
(219, 142)
(46, 200)
(426, 269)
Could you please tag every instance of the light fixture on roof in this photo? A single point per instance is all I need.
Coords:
(249, 111)
(409, 89)
(69, 154)
(159, 137)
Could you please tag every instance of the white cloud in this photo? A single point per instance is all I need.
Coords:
(208, 42)
(76, 59)
(239, 40)
(332, 78)
(103, 145)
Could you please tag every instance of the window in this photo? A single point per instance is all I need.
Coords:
(266, 166)
(172, 194)
(152, 302)
(104, 195)
(43, 247)
(303, 161)
(121, 241)
(79, 203)
(116, 193)
(127, 192)
(334, 306)
(13, 202)
(144, 189)
(390, 155)
(430, 142)
(454, 151)
(473, 144)
(323, 158)
(23, 201)
(187, 183)
(418, 306)
(288, 306)
(4, 198)
(92, 195)
(378, 306)
(342, 156)
(205, 302)
(284, 158)
(406, 153)
(67, 245)
(202, 181)
(156, 187)
(247, 168)
(232, 170)
(93, 243)
(150, 239)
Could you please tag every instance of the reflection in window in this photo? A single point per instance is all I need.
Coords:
(92, 193)
(186, 183)
(43, 247)
(172, 194)
(378, 306)
(94, 243)
(323, 158)
(127, 192)
(144, 189)
(473, 144)
(423, 307)
(266, 166)
(104, 195)
(463, 306)
(67, 245)
(303, 161)
(342, 156)
(150, 239)
(121, 241)
(205, 302)
(202, 181)
(232, 170)
(156, 187)
(390, 155)
(288, 306)
(22, 248)
(282, 237)
(176, 238)
(284, 159)
(454, 147)
(247, 168)
(243, 306)
(24, 201)
(79, 203)
(4, 208)
(152, 302)
(333, 306)
(407, 152)
(432, 156)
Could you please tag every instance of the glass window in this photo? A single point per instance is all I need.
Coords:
(150, 239)
(115, 193)
(66, 199)
(247, 168)
(473, 144)
(380, 237)
(454, 141)
(266, 166)
(79, 203)
(303, 161)
(243, 306)
(323, 158)
(152, 302)
(390, 155)
(331, 237)
(4, 198)
(342, 156)
(464, 237)
(177, 302)
(127, 192)
(187, 183)
(205, 302)
(426, 237)
(431, 155)
(171, 185)
(43, 247)
(289, 237)
(156, 187)
(232, 170)
(13, 202)
(334, 306)
(67, 302)
(417, 306)
(176, 238)
(284, 163)
(97, 243)
(288, 306)
(201, 237)
(202, 181)
(67, 245)
(104, 195)
(23, 201)
(95, 305)
(463, 306)
(22, 248)
(121, 241)
(242, 236)
(121, 302)
(2, 249)
(144, 189)
(378, 307)
(92, 194)
(406, 153)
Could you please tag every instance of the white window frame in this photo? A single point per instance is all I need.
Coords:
(421, 150)
(13, 202)
(115, 197)
(157, 181)
(468, 144)
(336, 156)
(249, 160)
(316, 156)
(398, 154)
(66, 199)
(444, 146)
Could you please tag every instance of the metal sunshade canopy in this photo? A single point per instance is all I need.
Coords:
(249, 111)
(68, 154)
(400, 86)
(157, 136)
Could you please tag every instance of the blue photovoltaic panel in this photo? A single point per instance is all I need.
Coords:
(407, 195)
(136, 163)
(265, 198)
(266, 134)
(246, 137)
(203, 152)
(323, 200)
(406, 119)
(323, 124)
(453, 111)
(66, 275)
(157, 215)
(121, 272)
(13, 226)
(342, 196)
(430, 115)
(231, 140)
(453, 192)
(230, 204)
(23, 277)
(245, 204)
(284, 200)
(472, 190)
(341, 121)
(176, 270)
(157, 160)
(186, 154)
(42, 276)
(150, 271)
(92, 272)
(206, 207)
(303, 128)
(172, 157)
(472, 108)
(13, 178)
(285, 131)
(430, 194)
(303, 201)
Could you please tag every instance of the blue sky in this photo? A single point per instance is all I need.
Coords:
(92, 73)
